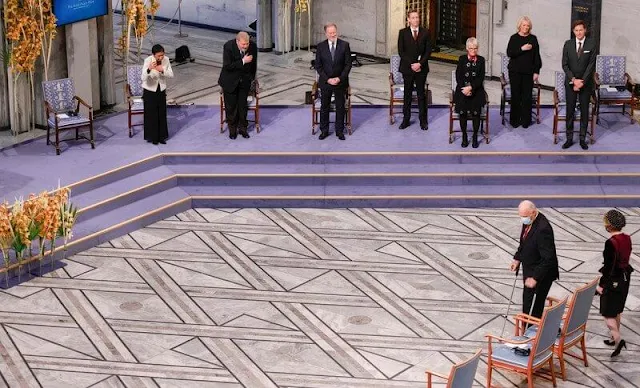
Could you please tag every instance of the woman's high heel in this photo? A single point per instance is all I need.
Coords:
(609, 342)
(619, 347)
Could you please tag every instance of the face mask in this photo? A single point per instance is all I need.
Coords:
(526, 220)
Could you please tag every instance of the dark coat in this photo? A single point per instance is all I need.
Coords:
(581, 68)
(233, 71)
(468, 73)
(537, 252)
(409, 50)
(339, 67)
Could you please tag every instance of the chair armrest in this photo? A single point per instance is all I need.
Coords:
(314, 89)
(596, 77)
(451, 103)
(391, 83)
(257, 87)
(555, 100)
(503, 81)
(81, 101)
(442, 376)
(491, 337)
(526, 318)
(629, 82)
(552, 300)
(486, 96)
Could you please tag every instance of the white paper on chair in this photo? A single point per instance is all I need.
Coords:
(612, 89)
(137, 100)
(62, 116)
(513, 346)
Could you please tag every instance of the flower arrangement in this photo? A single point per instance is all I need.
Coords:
(30, 27)
(41, 218)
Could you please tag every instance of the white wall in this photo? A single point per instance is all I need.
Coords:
(356, 20)
(620, 30)
(233, 14)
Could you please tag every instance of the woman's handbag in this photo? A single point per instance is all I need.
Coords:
(615, 282)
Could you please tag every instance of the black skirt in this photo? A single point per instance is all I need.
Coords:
(612, 301)
(155, 115)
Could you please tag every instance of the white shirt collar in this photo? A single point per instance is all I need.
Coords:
(581, 41)
(417, 29)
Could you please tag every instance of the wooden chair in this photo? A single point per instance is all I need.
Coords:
(253, 102)
(506, 90)
(316, 96)
(560, 109)
(614, 85)
(541, 347)
(573, 327)
(396, 90)
(453, 116)
(62, 108)
(461, 375)
(134, 92)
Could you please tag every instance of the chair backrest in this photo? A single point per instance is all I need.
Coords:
(453, 80)
(504, 66)
(463, 374)
(134, 79)
(611, 69)
(580, 306)
(398, 79)
(559, 86)
(548, 329)
(59, 94)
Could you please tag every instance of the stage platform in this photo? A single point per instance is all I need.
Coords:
(127, 183)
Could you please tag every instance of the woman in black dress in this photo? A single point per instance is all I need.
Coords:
(155, 71)
(524, 66)
(616, 272)
(470, 96)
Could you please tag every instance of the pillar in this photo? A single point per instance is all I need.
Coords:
(265, 25)
(82, 60)
(484, 32)
(106, 59)
(4, 86)
(396, 20)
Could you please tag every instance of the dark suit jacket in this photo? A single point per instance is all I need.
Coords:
(233, 71)
(339, 67)
(409, 50)
(581, 68)
(537, 252)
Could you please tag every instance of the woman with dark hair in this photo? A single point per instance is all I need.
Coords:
(614, 282)
(470, 97)
(155, 71)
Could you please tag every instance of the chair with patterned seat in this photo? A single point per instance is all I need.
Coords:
(461, 375)
(573, 328)
(134, 92)
(316, 97)
(506, 91)
(614, 85)
(527, 355)
(396, 90)
(560, 109)
(62, 108)
(453, 115)
(253, 105)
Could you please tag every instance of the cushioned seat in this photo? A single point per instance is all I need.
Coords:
(507, 93)
(251, 101)
(533, 330)
(318, 103)
(71, 121)
(611, 72)
(137, 106)
(507, 354)
(562, 111)
(614, 95)
(398, 92)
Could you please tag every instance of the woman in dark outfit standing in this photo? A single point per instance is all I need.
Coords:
(524, 66)
(155, 71)
(616, 273)
(470, 96)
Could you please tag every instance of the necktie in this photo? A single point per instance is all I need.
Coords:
(333, 50)
(579, 49)
(526, 232)
(415, 34)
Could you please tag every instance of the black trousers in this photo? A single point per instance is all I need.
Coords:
(235, 107)
(155, 115)
(475, 119)
(584, 95)
(540, 291)
(419, 79)
(521, 90)
(325, 107)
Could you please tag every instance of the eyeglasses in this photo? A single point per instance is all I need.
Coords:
(472, 48)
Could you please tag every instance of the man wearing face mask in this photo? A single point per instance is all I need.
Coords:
(537, 254)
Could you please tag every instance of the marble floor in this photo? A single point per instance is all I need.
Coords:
(298, 298)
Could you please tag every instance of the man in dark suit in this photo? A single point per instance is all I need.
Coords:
(414, 49)
(537, 254)
(333, 64)
(578, 63)
(239, 65)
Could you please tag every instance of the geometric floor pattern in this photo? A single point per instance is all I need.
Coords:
(299, 298)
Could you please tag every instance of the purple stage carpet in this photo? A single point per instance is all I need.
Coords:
(126, 183)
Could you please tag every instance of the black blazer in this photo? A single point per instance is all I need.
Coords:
(409, 50)
(233, 71)
(339, 67)
(537, 252)
(581, 68)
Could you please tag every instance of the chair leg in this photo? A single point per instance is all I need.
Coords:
(48, 131)
(489, 371)
(563, 370)
(130, 129)
(538, 111)
(93, 144)
(77, 134)
(349, 123)
(391, 118)
(583, 345)
(221, 113)
(57, 142)
(486, 140)
(555, 129)
(530, 378)
(631, 112)
(598, 113)
(313, 121)
(553, 372)
(257, 119)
